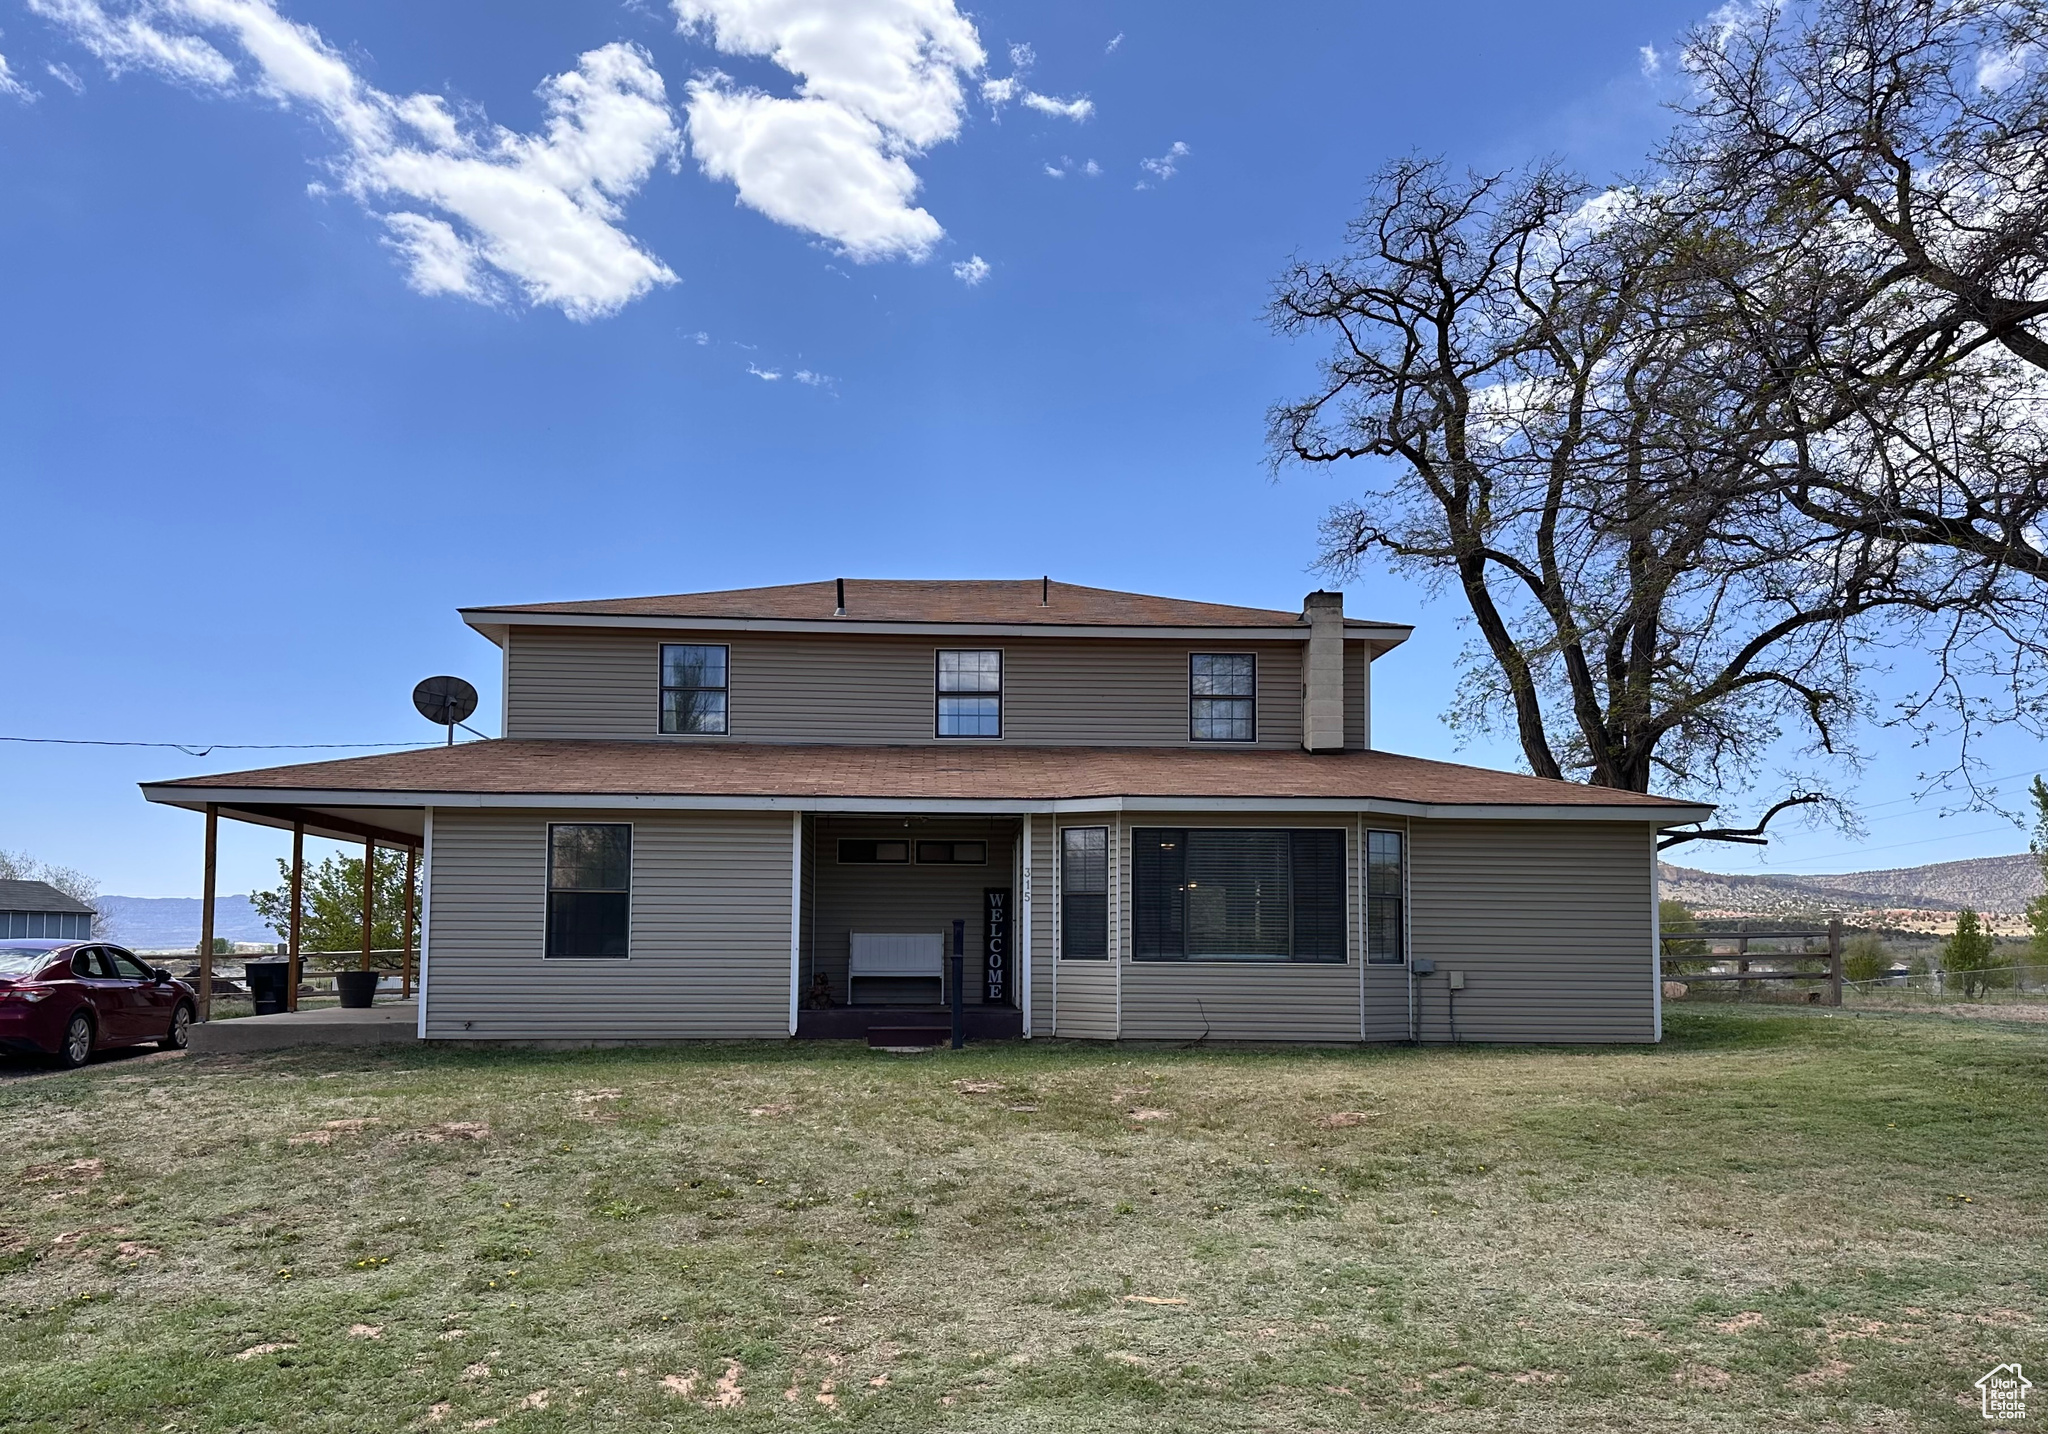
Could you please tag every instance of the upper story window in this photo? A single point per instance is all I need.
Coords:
(693, 687)
(1223, 697)
(970, 694)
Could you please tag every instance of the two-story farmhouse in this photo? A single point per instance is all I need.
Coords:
(758, 813)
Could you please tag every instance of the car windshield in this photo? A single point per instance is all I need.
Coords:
(22, 960)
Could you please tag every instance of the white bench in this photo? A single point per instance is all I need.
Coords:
(917, 955)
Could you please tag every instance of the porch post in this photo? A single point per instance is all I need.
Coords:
(206, 914)
(796, 911)
(369, 893)
(412, 855)
(296, 950)
(1021, 946)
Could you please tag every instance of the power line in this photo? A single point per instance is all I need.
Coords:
(199, 749)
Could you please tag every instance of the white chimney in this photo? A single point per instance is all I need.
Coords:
(1322, 673)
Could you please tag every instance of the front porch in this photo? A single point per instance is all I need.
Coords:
(881, 896)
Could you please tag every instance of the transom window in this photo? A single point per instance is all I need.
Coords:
(970, 694)
(590, 889)
(1386, 930)
(1084, 893)
(865, 853)
(952, 853)
(1237, 894)
(1223, 690)
(693, 687)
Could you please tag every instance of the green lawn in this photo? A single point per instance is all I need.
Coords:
(1776, 1221)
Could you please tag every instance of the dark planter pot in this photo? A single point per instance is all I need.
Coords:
(268, 983)
(358, 988)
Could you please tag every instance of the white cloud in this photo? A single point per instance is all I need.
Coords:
(768, 374)
(67, 77)
(539, 210)
(1092, 169)
(1164, 167)
(814, 380)
(998, 92)
(972, 270)
(1117, 39)
(11, 87)
(1066, 167)
(1054, 171)
(1997, 69)
(1651, 62)
(1076, 109)
(880, 82)
(700, 338)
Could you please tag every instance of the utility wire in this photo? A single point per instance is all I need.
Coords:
(196, 749)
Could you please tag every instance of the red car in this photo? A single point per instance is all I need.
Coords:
(70, 998)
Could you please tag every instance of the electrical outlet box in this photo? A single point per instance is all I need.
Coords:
(1457, 980)
(1422, 966)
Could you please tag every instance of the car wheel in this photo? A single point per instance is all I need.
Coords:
(76, 1048)
(181, 1029)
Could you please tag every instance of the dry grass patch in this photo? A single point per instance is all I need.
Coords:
(1758, 1225)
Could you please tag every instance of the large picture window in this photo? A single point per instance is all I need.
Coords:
(1386, 926)
(1223, 692)
(590, 889)
(1237, 894)
(970, 693)
(693, 687)
(1084, 893)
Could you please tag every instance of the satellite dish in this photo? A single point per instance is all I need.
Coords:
(445, 701)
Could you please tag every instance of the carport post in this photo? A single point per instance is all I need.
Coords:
(295, 949)
(206, 915)
(412, 856)
(369, 892)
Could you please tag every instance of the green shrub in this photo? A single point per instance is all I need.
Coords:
(1674, 918)
(1866, 957)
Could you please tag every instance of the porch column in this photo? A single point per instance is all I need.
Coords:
(206, 914)
(796, 912)
(1020, 945)
(369, 893)
(296, 948)
(412, 856)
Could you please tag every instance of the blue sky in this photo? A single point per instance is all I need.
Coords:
(299, 359)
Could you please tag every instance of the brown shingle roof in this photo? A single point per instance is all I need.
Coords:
(894, 600)
(935, 771)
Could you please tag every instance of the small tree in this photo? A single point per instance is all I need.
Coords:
(1866, 957)
(2037, 909)
(1967, 954)
(1674, 919)
(333, 897)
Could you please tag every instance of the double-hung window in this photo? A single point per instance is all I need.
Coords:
(1084, 893)
(970, 694)
(1386, 928)
(590, 888)
(1237, 894)
(1223, 701)
(693, 687)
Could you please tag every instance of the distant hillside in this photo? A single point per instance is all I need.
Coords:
(166, 923)
(1913, 897)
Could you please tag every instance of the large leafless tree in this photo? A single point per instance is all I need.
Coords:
(1534, 379)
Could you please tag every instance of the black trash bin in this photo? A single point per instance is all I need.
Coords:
(269, 982)
(358, 988)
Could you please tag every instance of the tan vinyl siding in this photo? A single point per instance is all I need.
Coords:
(1355, 664)
(709, 938)
(605, 683)
(890, 898)
(1549, 921)
(1241, 1000)
(1045, 905)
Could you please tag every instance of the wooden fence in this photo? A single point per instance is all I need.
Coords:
(1785, 962)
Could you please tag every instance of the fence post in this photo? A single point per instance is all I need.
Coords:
(1834, 960)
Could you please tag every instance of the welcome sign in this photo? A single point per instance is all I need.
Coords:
(995, 946)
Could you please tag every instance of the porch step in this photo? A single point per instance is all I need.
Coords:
(909, 1035)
